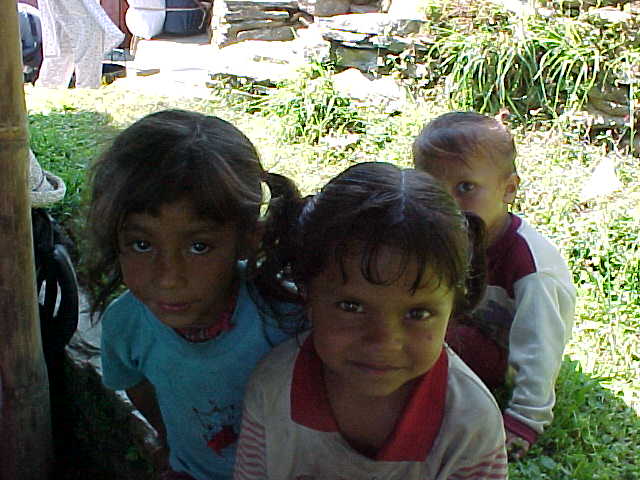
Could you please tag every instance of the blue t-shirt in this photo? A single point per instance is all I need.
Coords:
(199, 386)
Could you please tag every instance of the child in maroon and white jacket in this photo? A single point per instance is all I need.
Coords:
(519, 330)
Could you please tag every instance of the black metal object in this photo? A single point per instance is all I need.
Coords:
(57, 285)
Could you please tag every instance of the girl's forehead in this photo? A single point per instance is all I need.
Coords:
(180, 212)
(384, 266)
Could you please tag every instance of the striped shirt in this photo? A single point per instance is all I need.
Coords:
(451, 427)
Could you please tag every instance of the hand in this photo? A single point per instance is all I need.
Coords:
(517, 447)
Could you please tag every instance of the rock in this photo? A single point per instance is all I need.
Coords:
(372, 23)
(602, 182)
(259, 62)
(255, 13)
(364, 59)
(413, 9)
(611, 15)
(312, 45)
(328, 8)
(282, 33)
(237, 20)
(364, 9)
(342, 36)
(600, 119)
(611, 93)
(382, 92)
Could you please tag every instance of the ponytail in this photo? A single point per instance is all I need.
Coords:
(279, 222)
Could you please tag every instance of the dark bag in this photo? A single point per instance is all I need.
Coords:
(57, 285)
(31, 39)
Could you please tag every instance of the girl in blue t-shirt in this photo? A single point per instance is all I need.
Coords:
(174, 216)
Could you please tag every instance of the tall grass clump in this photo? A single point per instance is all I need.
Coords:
(532, 63)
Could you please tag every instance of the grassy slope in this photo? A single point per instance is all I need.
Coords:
(597, 429)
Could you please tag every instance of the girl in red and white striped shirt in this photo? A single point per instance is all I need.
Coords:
(381, 258)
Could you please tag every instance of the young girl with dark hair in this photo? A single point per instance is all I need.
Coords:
(380, 258)
(175, 217)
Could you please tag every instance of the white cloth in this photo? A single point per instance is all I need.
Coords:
(46, 188)
(145, 18)
(76, 34)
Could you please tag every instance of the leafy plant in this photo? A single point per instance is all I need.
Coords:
(533, 63)
(310, 108)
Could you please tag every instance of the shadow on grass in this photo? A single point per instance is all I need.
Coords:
(594, 435)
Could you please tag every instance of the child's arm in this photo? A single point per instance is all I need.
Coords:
(541, 327)
(143, 397)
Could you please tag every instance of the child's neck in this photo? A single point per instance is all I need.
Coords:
(495, 234)
(367, 422)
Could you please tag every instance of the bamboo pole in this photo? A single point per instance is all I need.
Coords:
(25, 420)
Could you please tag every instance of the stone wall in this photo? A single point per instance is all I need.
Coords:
(237, 20)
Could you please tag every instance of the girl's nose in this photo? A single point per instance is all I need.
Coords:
(170, 272)
(385, 333)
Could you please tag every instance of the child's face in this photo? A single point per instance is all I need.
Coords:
(375, 339)
(180, 265)
(479, 186)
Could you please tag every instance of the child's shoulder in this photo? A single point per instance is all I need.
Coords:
(526, 250)
(465, 390)
(123, 314)
(281, 356)
(273, 373)
(124, 305)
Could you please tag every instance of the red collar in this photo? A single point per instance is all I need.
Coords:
(416, 429)
(197, 335)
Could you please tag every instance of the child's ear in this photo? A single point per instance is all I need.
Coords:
(511, 185)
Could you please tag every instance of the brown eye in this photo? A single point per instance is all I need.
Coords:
(199, 248)
(140, 246)
(419, 314)
(350, 307)
(465, 187)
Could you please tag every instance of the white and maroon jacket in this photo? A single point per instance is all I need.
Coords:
(450, 429)
(528, 309)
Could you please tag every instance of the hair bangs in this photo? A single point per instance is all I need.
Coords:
(187, 172)
(419, 239)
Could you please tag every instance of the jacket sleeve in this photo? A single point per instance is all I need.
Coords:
(540, 330)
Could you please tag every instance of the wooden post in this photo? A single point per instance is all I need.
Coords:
(25, 419)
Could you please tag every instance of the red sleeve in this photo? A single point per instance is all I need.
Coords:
(251, 454)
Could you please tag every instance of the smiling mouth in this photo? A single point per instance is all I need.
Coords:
(173, 307)
(375, 368)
